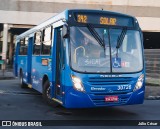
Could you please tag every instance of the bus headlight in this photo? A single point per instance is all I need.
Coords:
(139, 83)
(77, 84)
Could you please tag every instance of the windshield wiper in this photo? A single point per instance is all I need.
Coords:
(96, 35)
(121, 38)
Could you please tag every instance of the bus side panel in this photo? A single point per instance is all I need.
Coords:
(22, 64)
(39, 70)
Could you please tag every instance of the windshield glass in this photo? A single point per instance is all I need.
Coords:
(88, 55)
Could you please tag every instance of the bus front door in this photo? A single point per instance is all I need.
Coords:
(59, 75)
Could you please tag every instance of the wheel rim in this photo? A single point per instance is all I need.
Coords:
(21, 79)
(48, 92)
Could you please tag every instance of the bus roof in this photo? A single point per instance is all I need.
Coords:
(49, 21)
(63, 16)
(100, 11)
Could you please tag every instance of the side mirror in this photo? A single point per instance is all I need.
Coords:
(65, 31)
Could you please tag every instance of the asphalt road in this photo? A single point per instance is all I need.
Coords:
(27, 104)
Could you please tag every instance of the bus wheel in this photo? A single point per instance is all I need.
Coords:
(22, 84)
(47, 96)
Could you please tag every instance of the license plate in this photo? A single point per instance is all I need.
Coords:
(111, 98)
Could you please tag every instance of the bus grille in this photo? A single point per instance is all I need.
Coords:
(97, 81)
(101, 102)
(110, 83)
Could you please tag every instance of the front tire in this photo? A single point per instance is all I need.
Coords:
(47, 95)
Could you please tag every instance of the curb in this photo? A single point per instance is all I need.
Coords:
(7, 78)
(152, 84)
(153, 98)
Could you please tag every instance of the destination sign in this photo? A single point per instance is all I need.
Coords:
(104, 19)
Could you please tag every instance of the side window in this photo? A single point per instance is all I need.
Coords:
(47, 41)
(37, 43)
(23, 46)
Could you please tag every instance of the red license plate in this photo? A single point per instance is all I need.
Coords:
(111, 98)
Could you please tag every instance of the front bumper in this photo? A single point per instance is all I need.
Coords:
(76, 99)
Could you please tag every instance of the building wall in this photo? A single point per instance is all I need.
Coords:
(19, 11)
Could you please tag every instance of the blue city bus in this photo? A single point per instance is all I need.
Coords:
(83, 59)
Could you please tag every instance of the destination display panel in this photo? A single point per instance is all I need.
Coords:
(104, 19)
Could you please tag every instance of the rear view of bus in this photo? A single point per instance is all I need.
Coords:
(106, 60)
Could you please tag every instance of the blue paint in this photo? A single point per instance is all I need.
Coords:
(97, 85)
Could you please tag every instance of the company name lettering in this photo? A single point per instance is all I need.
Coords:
(98, 88)
(110, 75)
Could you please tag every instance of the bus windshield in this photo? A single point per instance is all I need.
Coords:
(115, 53)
